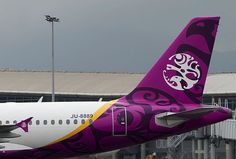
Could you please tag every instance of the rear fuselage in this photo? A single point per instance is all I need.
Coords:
(79, 128)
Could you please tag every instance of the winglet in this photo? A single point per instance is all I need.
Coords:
(24, 124)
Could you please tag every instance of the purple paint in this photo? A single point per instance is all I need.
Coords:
(24, 125)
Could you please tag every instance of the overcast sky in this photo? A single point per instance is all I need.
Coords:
(106, 35)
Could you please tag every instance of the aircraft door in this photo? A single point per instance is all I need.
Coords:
(119, 121)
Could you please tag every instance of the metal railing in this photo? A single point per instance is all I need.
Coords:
(173, 141)
(176, 140)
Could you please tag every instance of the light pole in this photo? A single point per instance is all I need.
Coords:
(52, 20)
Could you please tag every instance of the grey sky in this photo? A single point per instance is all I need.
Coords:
(106, 35)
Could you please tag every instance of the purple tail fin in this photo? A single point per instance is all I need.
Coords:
(181, 71)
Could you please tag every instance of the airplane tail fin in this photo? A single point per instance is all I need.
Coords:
(181, 71)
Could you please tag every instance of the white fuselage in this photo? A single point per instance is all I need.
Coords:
(51, 121)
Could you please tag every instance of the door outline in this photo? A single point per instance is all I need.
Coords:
(113, 122)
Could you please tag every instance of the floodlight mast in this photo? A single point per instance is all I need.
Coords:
(52, 20)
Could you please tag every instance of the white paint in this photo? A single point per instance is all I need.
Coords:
(41, 135)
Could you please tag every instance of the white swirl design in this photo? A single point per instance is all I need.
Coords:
(183, 73)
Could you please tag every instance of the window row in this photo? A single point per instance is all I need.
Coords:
(47, 122)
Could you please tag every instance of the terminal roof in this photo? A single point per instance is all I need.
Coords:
(95, 83)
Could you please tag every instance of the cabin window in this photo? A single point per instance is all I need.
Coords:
(52, 122)
(7, 122)
(0, 122)
(90, 121)
(82, 121)
(37, 122)
(30, 123)
(67, 121)
(45, 122)
(14, 122)
(75, 121)
(60, 122)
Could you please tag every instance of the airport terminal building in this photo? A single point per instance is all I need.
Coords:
(213, 142)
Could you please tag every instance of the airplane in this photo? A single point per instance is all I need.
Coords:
(167, 101)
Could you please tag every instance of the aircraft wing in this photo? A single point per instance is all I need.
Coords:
(171, 119)
(6, 130)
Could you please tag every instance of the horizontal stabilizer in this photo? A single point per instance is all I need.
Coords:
(170, 119)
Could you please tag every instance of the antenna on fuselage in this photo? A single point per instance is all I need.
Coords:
(40, 100)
